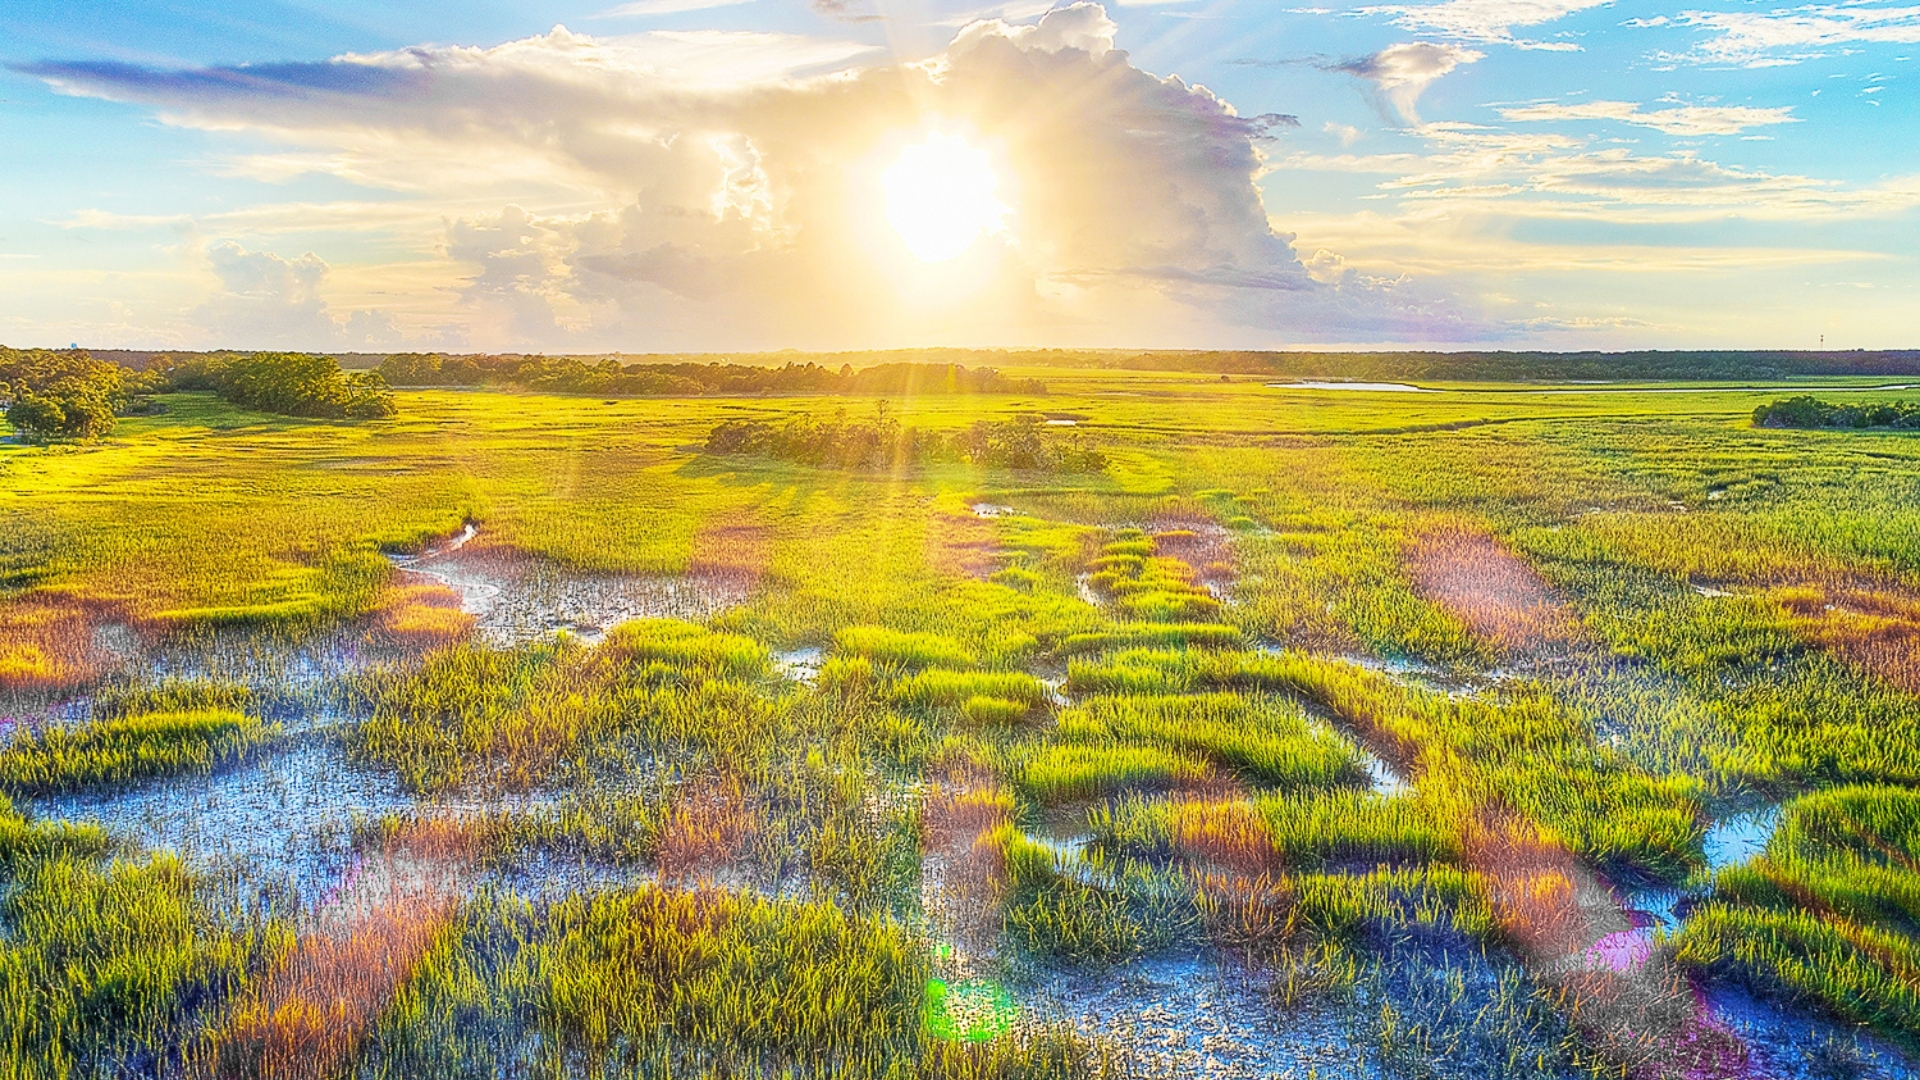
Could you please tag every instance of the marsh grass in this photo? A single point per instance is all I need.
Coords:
(1830, 914)
(121, 749)
(310, 1012)
(909, 650)
(954, 689)
(1499, 597)
(702, 982)
(1264, 740)
(1220, 820)
(109, 965)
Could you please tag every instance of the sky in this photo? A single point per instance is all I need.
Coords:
(734, 175)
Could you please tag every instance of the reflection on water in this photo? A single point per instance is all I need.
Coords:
(1737, 839)
(1377, 387)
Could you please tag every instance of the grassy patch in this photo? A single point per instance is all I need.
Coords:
(127, 748)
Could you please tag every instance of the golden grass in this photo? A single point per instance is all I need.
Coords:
(307, 1018)
(1500, 598)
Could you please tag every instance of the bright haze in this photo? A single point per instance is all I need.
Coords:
(693, 175)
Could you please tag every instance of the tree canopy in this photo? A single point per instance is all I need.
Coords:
(53, 396)
(291, 384)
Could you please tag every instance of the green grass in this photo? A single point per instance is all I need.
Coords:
(1229, 808)
(127, 748)
(701, 983)
(905, 649)
(1830, 914)
(1265, 741)
(1062, 774)
(104, 963)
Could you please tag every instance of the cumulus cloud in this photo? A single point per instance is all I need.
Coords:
(1490, 22)
(1683, 120)
(266, 301)
(1757, 39)
(1401, 73)
(732, 203)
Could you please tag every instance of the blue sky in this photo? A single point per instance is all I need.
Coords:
(677, 175)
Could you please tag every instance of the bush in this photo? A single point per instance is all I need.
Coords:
(1806, 411)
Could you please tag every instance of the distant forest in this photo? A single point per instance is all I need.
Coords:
(903, 370)
(571, 375)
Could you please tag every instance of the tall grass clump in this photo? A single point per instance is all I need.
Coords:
(941, 688)
(1265, 741)
(473, 713)
(1156, 636)
(1521, 753)
(122, 749)
(1148, 587)
(685, 647)
(1059, 774)
(1829, 915)
(902, 649)
(654, 980)
(105, 968)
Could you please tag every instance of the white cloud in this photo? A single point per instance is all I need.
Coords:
(1681, 120)
(1346, 133)
(1083, 26)
(1784, 36)
(1476, 169)
(1488, 21)
(1401, 73)
(266, 301)
(705, 190)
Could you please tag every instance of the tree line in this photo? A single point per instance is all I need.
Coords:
(572, 375)
(291, 384)
(1024, 443)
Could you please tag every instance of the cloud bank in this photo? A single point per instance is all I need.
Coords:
(720, 190)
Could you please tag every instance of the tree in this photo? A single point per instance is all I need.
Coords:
(63, 395)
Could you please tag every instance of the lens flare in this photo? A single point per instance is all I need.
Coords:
(940, 197)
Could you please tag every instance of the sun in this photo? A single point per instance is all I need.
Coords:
(940, 197)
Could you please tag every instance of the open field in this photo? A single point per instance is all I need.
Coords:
(1488, 731)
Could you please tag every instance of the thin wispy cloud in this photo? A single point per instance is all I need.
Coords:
(1490, 22)
(1681, 120)
(1785, 36)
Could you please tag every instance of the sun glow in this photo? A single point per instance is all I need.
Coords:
(940, 197)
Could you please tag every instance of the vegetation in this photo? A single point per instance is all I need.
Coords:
(105, 966)
(117, 750)
(569, 375)
(52, 396)
(1807, 411)
(1830, 914)
(1024, 443)
(291, 384)
(904, 763)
